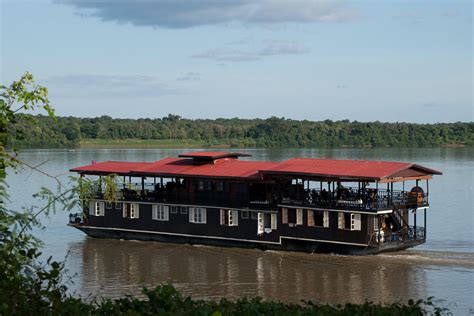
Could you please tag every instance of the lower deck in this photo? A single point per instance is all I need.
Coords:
(286, 228)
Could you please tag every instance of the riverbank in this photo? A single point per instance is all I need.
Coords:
(176, 132)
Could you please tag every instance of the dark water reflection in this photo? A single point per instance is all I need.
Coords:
(114, 268)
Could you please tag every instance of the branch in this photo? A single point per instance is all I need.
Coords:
(35, 168)
(56, 198)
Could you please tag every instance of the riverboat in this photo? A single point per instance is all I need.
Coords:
(301, 204)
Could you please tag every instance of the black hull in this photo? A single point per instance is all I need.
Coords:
(284, 245)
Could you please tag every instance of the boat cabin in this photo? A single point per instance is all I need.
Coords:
(223, 198)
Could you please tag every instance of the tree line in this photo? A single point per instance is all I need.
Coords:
(58, 132)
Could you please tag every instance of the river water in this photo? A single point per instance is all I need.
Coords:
(443, 267)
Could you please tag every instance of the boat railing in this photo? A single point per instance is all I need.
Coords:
(357, 199)
(347, 198)
(76, 218)
(405, 235)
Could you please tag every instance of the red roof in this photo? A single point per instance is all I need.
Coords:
(107, 167)
(226, 167)
(230, 167)
(342, 169)
(213, 155)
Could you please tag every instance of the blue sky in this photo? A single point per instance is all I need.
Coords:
(359, 60)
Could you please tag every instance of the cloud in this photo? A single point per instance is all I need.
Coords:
(84, 85)
(270, 48)
(190, 76)
(189, 13)
(227, 54)
(283, 48)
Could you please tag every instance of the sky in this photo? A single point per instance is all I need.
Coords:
(373, 60)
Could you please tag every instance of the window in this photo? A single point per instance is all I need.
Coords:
(292, 216)
(349, 221)
(284, 216)
(130, 210)
(174, 209)
(201, 185)
(220, 186)
(108, 205)
(244, 214)
(160, 212)
(310, 215)
(254, 215)
(266, 222)
(318, 218)
(197, 215)
(96, 209)
(299, 216)
(326, 219)
(273, 222)
(355, 221)
(260, 224)
(376, 222)
(118, 206)
(184, 210)
(229, 218)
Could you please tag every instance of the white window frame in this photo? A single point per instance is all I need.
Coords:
(229, 217)
(376, 222)
(284, 215)
(326, 219)
(173, 209)
(197, 215)
(97, 208)
(160, 212)
(355, 224)
(134, 210)
(355, 221)
(299, 216)
(340, 220)
(273, 221)
(260, 224)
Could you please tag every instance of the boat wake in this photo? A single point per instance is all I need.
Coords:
(438, 258)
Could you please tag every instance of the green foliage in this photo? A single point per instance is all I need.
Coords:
(271, 132)
(110, 192)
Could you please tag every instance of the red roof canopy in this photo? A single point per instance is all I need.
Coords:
(212, 155)
(222, 168)
(226, 165)
(108, 167)
(348, 169)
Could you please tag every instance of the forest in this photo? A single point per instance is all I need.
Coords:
(175, 131)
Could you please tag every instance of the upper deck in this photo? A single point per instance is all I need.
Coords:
(221, 179)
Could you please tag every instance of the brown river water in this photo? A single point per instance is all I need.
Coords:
(443, 267)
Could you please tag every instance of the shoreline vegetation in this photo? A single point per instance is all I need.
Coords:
(174, 131)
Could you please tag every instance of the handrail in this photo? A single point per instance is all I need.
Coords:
(410, 233)
(347, 198)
